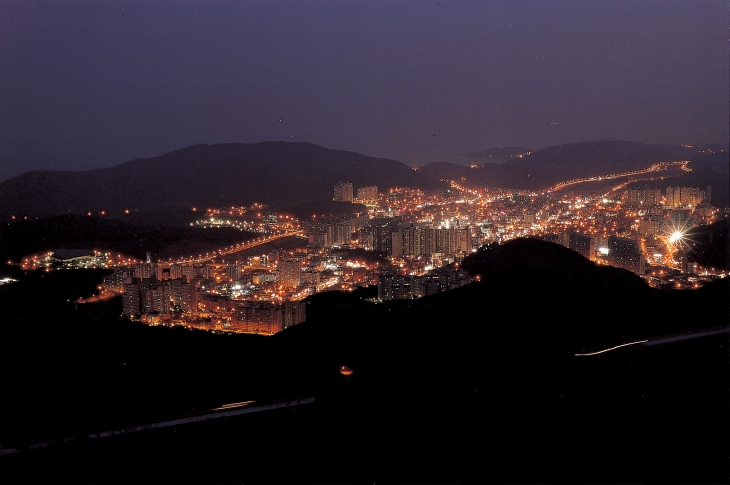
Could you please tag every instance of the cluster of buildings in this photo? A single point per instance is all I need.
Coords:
(231, 298)
(667, 197)
(420, 239)
(420, 231)
(394, 286)
(71, 259)
(343, 192)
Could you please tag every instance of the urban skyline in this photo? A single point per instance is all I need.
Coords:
(343, 242)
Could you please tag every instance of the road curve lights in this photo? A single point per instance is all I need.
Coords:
(345, 371)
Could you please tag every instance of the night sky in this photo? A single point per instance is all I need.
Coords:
(92, 84)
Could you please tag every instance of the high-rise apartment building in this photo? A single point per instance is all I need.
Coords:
(343, 192)
(293, 313)
(259, 316)
(132, 300)
(367, 193)
(583, 244)
(290, 271)
(625, 253)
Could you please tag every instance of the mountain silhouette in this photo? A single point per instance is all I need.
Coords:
(277, 173)
(543, 168)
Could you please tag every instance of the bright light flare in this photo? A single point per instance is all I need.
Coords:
(676, 236)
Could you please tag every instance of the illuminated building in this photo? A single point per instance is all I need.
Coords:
(293, 313)
(650, 225)
(395, 287)
(207, 271)
(154, 299)
(163, 273)
(318, 240)
(425, 241)
(145, 270)
(343, 192)
(398, 287)
(343, 233)
(563, 239)
(132, 301)
(583, 244)
(233, 272)
(311, 278)
(367, 193)
(184, 294)
(290, 271)
(259, 317)
(117, 279)
(382, 233)
(625, 253)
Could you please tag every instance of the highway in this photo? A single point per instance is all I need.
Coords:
(654, 168)
(238, 247)
(678, 338)
(227, 410)
(660, 340)
(103, 296)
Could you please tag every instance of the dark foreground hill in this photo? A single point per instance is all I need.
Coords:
(284, 174)
(475, 384)
(543, 168)
(709, 245)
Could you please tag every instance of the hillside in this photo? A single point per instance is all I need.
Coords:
(707, 170)
(495, 155)
(708, 245)
(443, 386)
(282, 174)
(543, 168)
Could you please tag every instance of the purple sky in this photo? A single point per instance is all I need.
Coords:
(92, 84)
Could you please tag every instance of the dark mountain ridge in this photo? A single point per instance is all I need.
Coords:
(277, 173)
(543, 168)
(496, 154)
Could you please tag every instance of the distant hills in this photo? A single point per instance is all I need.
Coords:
(496, 155)
(291, 175)
(543, 168)
(283, 174)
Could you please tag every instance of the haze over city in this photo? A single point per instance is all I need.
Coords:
(92, 84)
(344, 242)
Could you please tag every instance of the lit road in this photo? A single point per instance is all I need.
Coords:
(677, 338)
(103, 296)
(239, 247)
(227, 410)
(224, 411)
(654, 168)
(660, 340)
